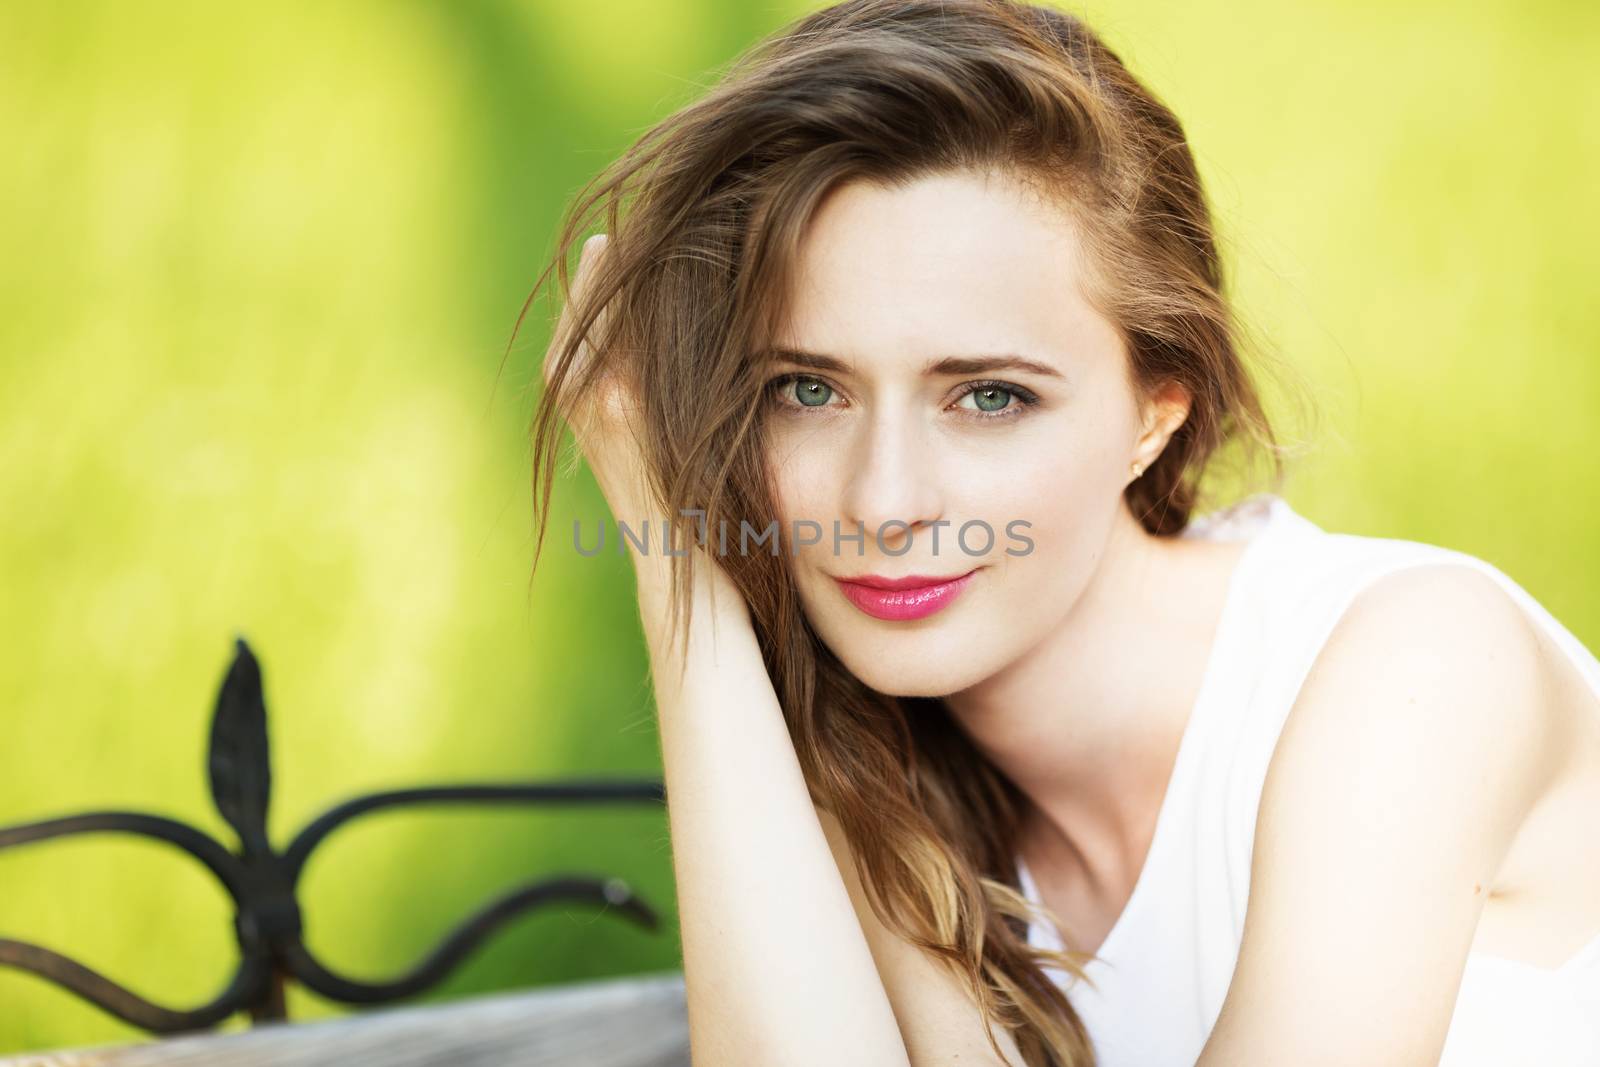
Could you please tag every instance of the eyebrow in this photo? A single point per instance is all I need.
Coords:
(976, 364)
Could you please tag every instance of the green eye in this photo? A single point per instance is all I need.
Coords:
(811, 392)
(990, 398)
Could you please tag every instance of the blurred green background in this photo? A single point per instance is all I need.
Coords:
(260, 263)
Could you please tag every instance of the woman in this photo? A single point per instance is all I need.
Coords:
(944, 267)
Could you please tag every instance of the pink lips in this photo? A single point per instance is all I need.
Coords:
(898, 599)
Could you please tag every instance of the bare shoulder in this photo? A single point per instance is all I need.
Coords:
(1442, 652)
(1422, 736)
(1442, 609)
(1443, 582)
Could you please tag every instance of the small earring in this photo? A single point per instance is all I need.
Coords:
(1138, 468)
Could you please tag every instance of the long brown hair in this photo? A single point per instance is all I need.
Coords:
(705, 213)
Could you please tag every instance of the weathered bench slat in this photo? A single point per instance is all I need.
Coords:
(637, 1021)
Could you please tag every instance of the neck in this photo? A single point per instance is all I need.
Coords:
(1087, 723)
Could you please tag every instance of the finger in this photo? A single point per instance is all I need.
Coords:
(593, 248)
(609, 414)
(608, 403)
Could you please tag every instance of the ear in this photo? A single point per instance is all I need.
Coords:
(1160, 414)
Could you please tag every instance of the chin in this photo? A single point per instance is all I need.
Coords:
(925, 664)
(919, 686)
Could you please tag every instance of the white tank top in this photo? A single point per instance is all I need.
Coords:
(1163, 970)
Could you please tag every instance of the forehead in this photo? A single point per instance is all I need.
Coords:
(948, 263)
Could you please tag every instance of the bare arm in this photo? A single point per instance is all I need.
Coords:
(1421, 739)
(776, 964)
(784, 963)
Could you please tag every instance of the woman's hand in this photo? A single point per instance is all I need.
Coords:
(777, 967)
(607, 422)
(606, 417)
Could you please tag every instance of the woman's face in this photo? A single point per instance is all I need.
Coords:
(941, 372)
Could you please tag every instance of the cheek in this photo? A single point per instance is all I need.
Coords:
(806, 474)
(1045, 477)
(1065, 495)
(805, 485)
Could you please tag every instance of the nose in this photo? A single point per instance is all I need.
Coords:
(892, 480)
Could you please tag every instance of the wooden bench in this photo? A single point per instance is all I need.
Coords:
(638, 1021)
